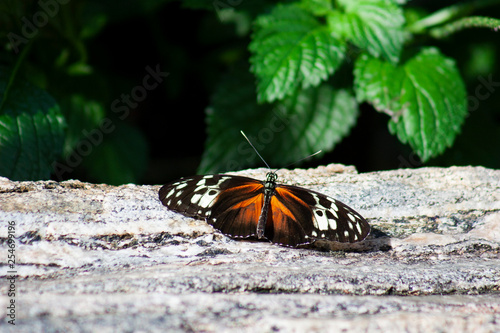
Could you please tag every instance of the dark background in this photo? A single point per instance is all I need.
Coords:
(189, 41)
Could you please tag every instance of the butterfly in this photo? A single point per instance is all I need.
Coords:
(243, 207)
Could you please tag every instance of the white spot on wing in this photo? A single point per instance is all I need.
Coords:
(322, 222)
(169, 194)
(181, 186)
(351, 217)
(207, 199)
(196, 198)
(199, 188)
(333, 224)
(353, 225)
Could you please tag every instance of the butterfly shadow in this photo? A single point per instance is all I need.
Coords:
(375, 242)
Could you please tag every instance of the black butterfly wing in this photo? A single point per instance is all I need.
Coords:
(314, 216)
(192, 196)
(232, 204)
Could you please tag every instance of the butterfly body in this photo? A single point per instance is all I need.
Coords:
(242, 207)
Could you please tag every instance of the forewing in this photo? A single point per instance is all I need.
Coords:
(193, 196)
(327, 218)
(232, 204)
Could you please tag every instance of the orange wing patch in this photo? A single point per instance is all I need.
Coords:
(245, 188)
(249, 209)
(239, 217)
(290, 197)
(279, 209)
(287, 212)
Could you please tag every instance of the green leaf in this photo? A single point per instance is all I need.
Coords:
(121, 158)
(313, 119)
(291, 49)
(92, 19)
(31, 131)
(317, 7)
(372, 25)
(82, 116)
(426, 98)
(321, 116)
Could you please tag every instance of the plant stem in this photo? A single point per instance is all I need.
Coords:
(446, 14)
(13, 75)
(466, 22)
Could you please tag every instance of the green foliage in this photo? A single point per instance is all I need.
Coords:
(297, 73)
(425, 98)
(311, 119)
(292, 49)
(119, 159)
(297, 50)
(81, 115)
(372, 25)
(31, 130)
(42, 135)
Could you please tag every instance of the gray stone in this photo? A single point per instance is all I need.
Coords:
(102, 258)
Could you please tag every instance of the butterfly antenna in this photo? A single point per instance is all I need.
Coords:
(305, 158)
(263, 160)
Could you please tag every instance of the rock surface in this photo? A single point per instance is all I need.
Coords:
(103, 258)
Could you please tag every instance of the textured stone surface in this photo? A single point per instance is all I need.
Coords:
(103, 258)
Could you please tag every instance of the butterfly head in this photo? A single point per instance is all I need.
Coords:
(271, 177)
(270, 183)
